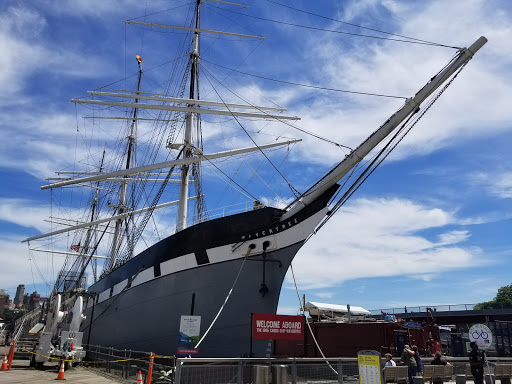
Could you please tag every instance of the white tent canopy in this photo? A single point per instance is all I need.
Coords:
(316, 309)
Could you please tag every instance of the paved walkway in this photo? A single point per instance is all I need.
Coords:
(21, 373)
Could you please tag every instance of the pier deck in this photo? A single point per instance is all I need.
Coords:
(22, 373)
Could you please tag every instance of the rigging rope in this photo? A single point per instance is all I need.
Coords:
(410, 40)
(308, 85)
(303, 308)
(147, 216)
(249, 249)
(281, 121)
(292, 188)
(384, 153)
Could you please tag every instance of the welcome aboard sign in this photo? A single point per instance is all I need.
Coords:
(277, 327)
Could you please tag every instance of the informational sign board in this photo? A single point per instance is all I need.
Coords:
(369, 367)
(277, 327)
(70, 337)
(481, 335)
(187, 351)
(190, 329)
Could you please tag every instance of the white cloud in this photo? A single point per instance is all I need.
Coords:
(402, 69)
(30, 47)
(452, 237)
(377, 238)
(23, 212)
(19, 266)
(497, 183)
(324, 295)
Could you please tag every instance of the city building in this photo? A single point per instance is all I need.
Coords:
(4, 300)
(34, 300)
(18, 298)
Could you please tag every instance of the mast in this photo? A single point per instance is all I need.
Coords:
(90, 230)
(188, 145)
(122, 198)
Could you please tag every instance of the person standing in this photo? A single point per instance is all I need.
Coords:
(409, 360)
(476, 360)
(419, 363)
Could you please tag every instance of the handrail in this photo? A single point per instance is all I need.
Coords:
(423, 308)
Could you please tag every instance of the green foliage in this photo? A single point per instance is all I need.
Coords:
(9, 315)
(503, 299)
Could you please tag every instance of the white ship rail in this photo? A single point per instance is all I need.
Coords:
(228, 210)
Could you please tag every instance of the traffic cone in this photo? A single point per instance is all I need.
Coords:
(60, 376)
(139, 378)
(4, 364)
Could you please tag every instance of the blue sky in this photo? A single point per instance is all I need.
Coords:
(431, 226)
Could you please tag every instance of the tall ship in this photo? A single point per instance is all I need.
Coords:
(222, 263)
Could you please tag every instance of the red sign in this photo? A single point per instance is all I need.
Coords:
(188, 351)
(277, 327)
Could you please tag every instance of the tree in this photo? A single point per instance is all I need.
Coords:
(503, 299)
(10, 316)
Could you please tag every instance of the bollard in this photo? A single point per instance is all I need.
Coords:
(11, 354)
(280, 374)
(260, 374)
(150, 369)
(489, 378)
(460, 379)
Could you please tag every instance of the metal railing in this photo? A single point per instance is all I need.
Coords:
(423, 309)
(284, 371)
(127, 363)
(264, 371)
(23, 324)
(228, 210)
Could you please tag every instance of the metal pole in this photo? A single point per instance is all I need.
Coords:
(178, 371)
(110, 352)
(488, 369)
(240, 373)
(125, 366)
(340, 372)
(250, 336)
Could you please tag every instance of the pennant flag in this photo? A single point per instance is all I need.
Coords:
(75, 248)
(139, 59)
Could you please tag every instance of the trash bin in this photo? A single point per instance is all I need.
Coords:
(418, 380)
(280, 374)
(260, 374)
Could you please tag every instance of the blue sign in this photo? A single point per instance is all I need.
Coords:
(412, 324)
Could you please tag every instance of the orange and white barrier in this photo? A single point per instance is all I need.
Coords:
(60, 376)
(4, 364)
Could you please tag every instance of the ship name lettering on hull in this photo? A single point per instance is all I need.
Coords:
(271, 230)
